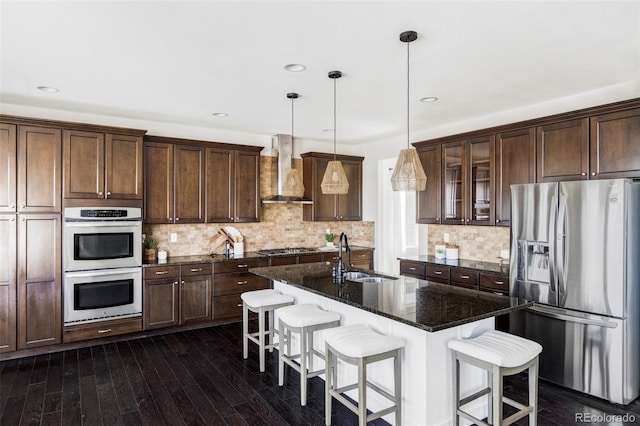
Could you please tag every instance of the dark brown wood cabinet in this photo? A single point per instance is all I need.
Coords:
(429, 201)
(195, 293)
(329, 207)
(461, 277)
(39, 282)
(515, 164)
(562, 151)
(413, 269)
(8, 167)
(8, 280)
(615, 145)
(232, 278)
(100, 165)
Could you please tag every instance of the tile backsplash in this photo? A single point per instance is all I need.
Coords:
(481, 243)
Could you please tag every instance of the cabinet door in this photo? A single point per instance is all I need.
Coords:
(39, 280)
(220, 187)
(158, 182)
(324, 205)
(83, 164)
(247, 182)
(195, 299)
(453, 176)
(480, 172)
(562, 151)
(123, 160)
(428, 203)
(515, 164)
(615, 145)
(350, 204)
(8, 172)
(161, 303)
(39, 170)
(188, 187)
(8, 282)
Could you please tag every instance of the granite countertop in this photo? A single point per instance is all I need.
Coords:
(423, 304)
(476, 265)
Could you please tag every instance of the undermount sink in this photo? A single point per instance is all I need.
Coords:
(363, 277)
(355, 275)
(373, 279)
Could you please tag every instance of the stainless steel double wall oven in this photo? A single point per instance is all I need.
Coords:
(102, 254)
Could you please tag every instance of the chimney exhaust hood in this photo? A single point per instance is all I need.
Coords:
(282, 145)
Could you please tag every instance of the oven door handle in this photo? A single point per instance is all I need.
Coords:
(102, 272)
(102, 224)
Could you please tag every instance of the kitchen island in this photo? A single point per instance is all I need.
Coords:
(425, 314)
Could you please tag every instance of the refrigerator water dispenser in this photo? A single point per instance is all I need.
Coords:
(533, 261)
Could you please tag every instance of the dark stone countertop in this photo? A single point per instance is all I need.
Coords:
(475, 265)
(423, 304)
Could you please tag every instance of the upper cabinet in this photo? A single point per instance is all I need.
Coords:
(562, 150)
(327, 207)
(101, 165)
(193, 181)
(615, 145)
(30, 169)
(428, 203)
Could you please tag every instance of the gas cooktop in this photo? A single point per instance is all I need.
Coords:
(294, 250)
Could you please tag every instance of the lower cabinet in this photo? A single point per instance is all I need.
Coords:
(97, 330)
(358, 258)
(181, 296)
(231, 279)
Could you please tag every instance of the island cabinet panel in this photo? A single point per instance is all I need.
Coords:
(39, 283)
(102, 165)
(8, 262)
(330, 207)
(231, 279)
(429, 201)
(615, 145)
(515, 164)
(562, 151)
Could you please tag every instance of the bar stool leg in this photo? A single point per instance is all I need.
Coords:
(490, 394)
(328, 381)
(496, 391)
(310, 348)
(398, 387)
(456, 389)
(245, 330)
(271, 314)
(261, 338)
(362, 392)
(281, 354)
(533, 393)
(303, 366)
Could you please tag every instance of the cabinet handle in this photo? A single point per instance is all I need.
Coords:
(100, 193)
(498, 282)
(239, 305)
(583, 174)
(242, 266)
(467, 220)
(461, 220)
(593, 173)
(196, 269)
(170, 218)
(12, 206)
(24, 219)
(411, 268)
(108, 330)
(497, 220)
(177, 219)
(175, 283)
(499, 293)
(22, 206)
(464, 277)
(437, 272)
(13, 219)
(161, 272)
(182, 282)
(242, 282)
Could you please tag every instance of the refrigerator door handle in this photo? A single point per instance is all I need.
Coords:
(553, 313)
(553, 218)
(560, 257)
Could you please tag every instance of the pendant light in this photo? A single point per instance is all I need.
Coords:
(334, 180)
(293, 186)
(408, 174)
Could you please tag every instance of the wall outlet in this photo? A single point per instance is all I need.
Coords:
(173, 237)
(445, 237)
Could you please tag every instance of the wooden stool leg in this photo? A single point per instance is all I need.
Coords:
(497, 394)
(245, 330)
(398, 387)
(261, 338)
(362, 393)
(281, 354)
(328, 371)
(533, 393)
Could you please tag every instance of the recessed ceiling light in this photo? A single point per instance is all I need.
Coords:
(429, 99)
(220, 114)
(48, 89)
(295, 67)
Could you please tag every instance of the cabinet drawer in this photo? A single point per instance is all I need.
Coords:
(360, 255)
(101, 329)
(195, 269)
(227, 307)
(438, 273)
(239, 265)
(413, 269)
(465, 277)
(499, 283)
(226, 284)
(311, 258)
(153, 272)
(284, 260)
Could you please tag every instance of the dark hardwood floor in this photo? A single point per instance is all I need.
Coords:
(198, 377)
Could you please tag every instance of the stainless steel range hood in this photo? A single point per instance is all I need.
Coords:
(282, 146)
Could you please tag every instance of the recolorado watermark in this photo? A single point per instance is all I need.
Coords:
(604, 418)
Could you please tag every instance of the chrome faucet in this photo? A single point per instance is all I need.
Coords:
(341, 270)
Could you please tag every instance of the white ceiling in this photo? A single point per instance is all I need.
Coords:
(180, 61)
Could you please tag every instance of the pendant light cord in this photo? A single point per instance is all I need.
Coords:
(334, 119)
(408, 94)
(292, 161)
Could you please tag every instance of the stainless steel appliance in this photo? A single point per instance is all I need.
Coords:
(575, 249)
(102, 254)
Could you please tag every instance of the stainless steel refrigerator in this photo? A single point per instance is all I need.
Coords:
(575, 249)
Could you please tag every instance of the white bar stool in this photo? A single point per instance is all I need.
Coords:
(304, 320)
(260, 301)
(500, 354)
(359, 345)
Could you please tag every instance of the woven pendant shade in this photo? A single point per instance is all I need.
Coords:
(334, 180)
(293, 186)
(408, 174)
